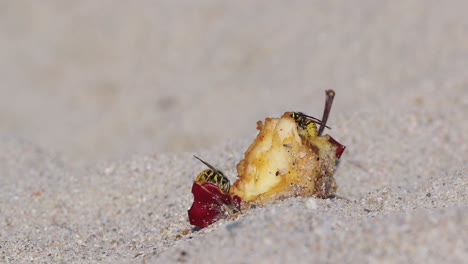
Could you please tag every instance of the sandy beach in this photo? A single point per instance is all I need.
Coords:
(103, 105)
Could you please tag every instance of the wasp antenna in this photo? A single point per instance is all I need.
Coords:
(206, 163)
(316, 120)
(326, 111)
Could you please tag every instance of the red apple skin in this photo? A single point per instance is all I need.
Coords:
(209, 204)
(340, 148)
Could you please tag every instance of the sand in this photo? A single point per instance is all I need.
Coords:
(102, 106)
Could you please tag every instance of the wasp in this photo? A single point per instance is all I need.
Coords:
(307, 123)
(214, 176)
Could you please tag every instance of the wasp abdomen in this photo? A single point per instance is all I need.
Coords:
(215, 177)
(306, 123)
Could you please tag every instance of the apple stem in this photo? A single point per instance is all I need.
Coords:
(328, 104)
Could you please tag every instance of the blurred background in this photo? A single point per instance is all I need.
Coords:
(102, 79)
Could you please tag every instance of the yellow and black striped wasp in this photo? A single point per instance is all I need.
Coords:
(214, 176)
(308, 123)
